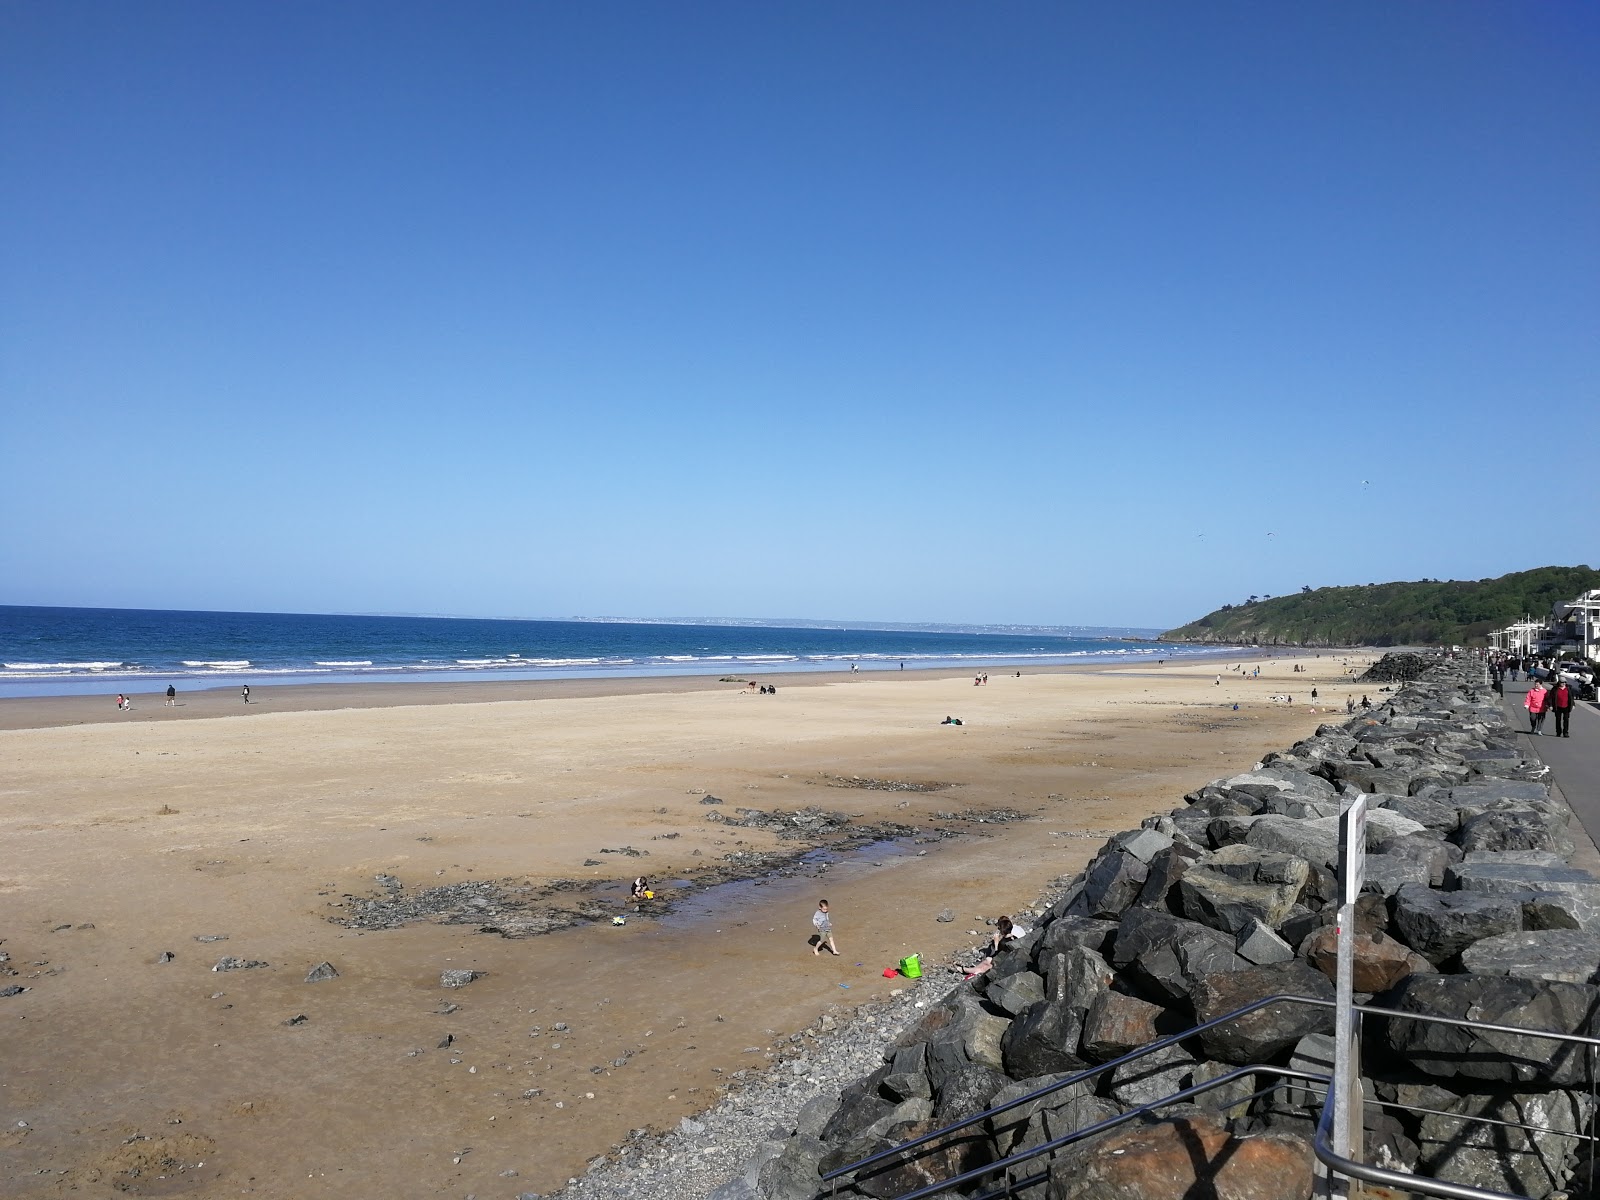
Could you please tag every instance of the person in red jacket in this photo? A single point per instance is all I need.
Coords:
(1534, 702)
(1559, 701)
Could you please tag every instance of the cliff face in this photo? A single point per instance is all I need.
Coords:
(1425, 612)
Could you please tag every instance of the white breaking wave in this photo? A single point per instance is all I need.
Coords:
(219, 664)
(354, 662)
(77, 666)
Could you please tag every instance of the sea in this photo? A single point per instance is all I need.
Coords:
(72, 651)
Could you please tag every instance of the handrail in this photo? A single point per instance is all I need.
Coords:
(1100, 1127)
(1131, 1056)
(1321, 1145)
(1321, 1142)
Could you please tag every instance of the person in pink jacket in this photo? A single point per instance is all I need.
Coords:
(1534, 703)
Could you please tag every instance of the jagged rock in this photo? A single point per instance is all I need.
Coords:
(1565, 955)
(1118, 1023)
(1239, 884)
(1439, 925)
(1111, 885)
(231, 963)
(1182, 1158)
(1043, 1041)
(794, 1174)
(1008, 1127)
(1526, 858)
(1448, 1051)
(1501, 1158)
(1274, 781)
(860, 1107)
(1428, 812)
(322, 972)
(1075, 977)
(1433, 853)
(938, 1160)
(1578, 891)
(880, 1135)
(1378, 962)
(1067, 931)
(1386, 874)
(1230, 1101)
(1166, 869)
(1143, 844)
(983, 1040)
(1165, 954)
(967, 1091)
(1257, 1036)
(1015, 993)
(1316, 841)
(1258, 944)
(455, 978)
(1155, 1076)
(1513, 830)
(1313, 1053)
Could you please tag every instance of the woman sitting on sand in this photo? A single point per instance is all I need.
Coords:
(1005, 934)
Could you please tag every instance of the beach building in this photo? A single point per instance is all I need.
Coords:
(1573, 627)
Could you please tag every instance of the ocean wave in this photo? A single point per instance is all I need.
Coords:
(219, 664)
(354, 662)
(70, 666)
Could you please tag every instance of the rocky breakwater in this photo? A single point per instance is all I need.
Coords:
(1470, 910)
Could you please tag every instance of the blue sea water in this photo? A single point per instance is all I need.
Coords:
(61, 651)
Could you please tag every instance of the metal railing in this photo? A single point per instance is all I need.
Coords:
(1321, 1144)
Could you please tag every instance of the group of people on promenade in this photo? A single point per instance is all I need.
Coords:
(1557, 698)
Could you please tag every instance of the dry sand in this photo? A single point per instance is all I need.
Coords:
(133, 834)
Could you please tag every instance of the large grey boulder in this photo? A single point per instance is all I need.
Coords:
(1240, 884)
(1433, 814)
(1007, 1128)
(1257, 1036)
(1316, 841)
(1110, 886)
(1164, 954)
(1259, 945)
(1506, 1158)
(1016, 993)
(1579, 891)
(1152, 1077)
(1526, 858)
(1166, 869)
(1565, 955)
(1144, 844)
(1117, 1024)
(1273, 781)
(1044, 1041)
(1439, 925)
(1448, 1051)
(1509, 829)
(1074, 977)
(1386, 874)
(1068, 931)
(1433, 853)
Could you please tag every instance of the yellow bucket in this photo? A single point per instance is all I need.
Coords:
(911, 966)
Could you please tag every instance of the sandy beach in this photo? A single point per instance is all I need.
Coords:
(130, 836)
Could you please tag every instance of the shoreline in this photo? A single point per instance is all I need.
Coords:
(222, 700)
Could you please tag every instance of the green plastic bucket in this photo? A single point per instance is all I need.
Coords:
(911, 966)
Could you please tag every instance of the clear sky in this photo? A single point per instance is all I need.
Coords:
(1018, 312)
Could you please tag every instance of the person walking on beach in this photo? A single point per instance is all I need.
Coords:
(245, 692)
(822, 922)
(172, 696)
(122, 702)
(1559, 701)
(1534, 702)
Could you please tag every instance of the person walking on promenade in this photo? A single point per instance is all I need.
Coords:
(1559, 701)
(1534, 702)
(172, 696)
(822, 922)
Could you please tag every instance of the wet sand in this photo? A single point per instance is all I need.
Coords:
(163, 825)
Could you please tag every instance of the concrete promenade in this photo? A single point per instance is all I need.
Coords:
(1574, 761)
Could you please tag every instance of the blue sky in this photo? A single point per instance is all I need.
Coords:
(1053, 313)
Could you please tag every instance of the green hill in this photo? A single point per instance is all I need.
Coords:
(1428, 612)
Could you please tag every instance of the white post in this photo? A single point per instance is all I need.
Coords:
(1347, 1113)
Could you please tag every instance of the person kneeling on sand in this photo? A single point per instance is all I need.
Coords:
(641, 889)
(1005, 933)
(823, 923)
